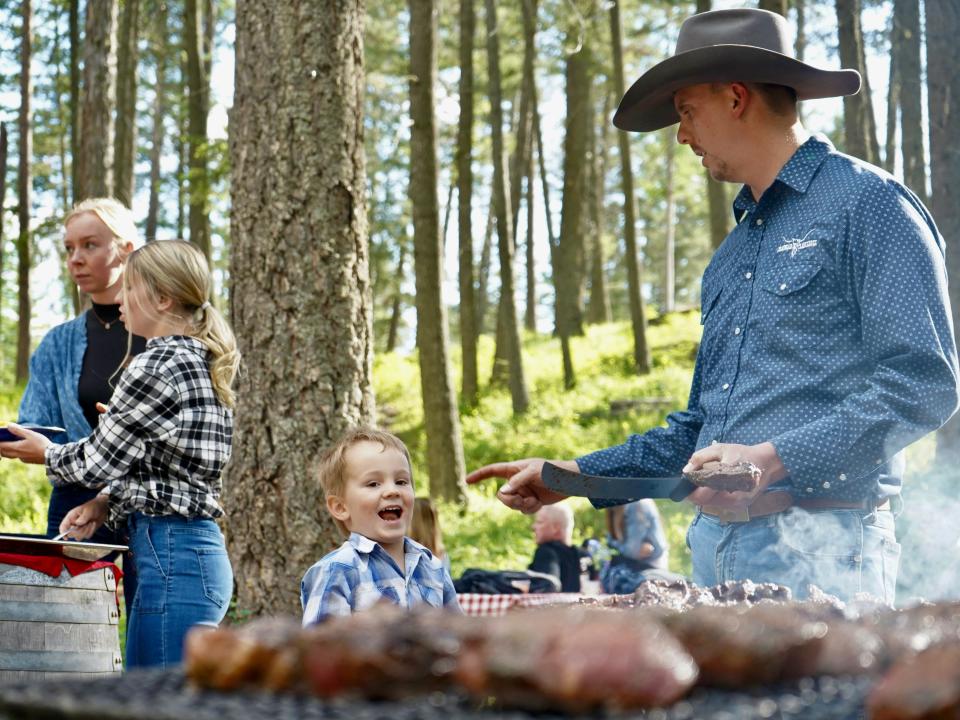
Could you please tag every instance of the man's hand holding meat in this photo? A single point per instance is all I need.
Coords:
(764, 456)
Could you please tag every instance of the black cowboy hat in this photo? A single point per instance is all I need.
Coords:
(744, 45)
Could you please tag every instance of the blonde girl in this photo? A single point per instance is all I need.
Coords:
(158, 452)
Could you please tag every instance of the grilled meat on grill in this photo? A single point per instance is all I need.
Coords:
(923, 687)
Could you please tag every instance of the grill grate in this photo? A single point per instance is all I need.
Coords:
(165, 695)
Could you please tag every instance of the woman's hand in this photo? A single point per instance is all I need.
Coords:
(29, 450)
(85, 519)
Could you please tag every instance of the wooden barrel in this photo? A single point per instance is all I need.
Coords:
(58, 627)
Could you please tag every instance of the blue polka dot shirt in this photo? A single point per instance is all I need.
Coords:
(826, 331)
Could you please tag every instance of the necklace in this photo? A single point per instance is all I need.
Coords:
(106, 325)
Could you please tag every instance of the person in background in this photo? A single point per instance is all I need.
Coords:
(636, 533)
(157, 454)
(368, 487)
(77, 364)
(425, 529)
(553, 531)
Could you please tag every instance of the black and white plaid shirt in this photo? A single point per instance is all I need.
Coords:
(162, 444)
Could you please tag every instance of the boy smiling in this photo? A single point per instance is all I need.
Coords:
(369, 493)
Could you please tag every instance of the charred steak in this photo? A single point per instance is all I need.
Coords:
(726, 477)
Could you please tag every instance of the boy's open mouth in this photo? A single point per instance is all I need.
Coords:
(391, 513)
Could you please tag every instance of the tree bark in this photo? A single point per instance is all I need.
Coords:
(777, 6)
(483, 272)
(598, 303)
(943, 87)
(907, 19)
(501, 202)
(569, 302)
(530, 312)
(25, 153)
(125, 138)
(893, 101)
(396, 307)
(95, 172)
(198, 106)
(638, 316)
(670, 229)
(442, 423)
(75, 98)
(159, 111)
(469, 331)
(524, 131)
(300, 296)
(859, 125)
(4, 147)
(800, 42)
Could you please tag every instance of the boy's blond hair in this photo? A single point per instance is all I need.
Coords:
(330, 469)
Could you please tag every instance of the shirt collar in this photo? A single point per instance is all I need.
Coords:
(796, 174)
(412, 551)
(178, 340)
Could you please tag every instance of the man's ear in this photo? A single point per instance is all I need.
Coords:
(739, 97)
(337, 508)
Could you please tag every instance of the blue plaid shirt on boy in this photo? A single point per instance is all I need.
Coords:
(360, 573)
(826, 331)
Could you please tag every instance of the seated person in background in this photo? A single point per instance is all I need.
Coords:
(553, 531)
(636, 533)
(425, 529)
(368, 486)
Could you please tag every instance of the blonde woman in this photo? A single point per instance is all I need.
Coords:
(425, 529)
(71, 369)
(158, 452)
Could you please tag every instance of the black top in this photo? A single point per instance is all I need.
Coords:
(560, 560)
(106, 349)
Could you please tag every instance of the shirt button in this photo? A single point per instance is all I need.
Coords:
(826, 485)
(713, 442)
(843, 476)
(759, 221)
(783, 286)
(748, 275)
(809, 489)
(726, 386)
(736, 331)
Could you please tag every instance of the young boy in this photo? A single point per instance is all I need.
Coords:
(366, 479)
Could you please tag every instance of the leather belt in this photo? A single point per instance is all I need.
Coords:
(777, 501)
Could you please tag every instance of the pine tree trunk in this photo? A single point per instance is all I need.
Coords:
(638, 316)
(25, 208)
(598, 304)
(530, 312)
(544, 182)
(125, 140)
(468, 318)
(777, 6)
(483, 272)
(159, 43)
(300, 295)
(95, 172)
(943, 87)
(396, 307)
(442, 423)
(524, 131)
(859, 125)
(670, 222)
(198, 104)
(907, 18)
(4, 147)
(800, 42)
(501, 201)
(893, 101)
(75, 98)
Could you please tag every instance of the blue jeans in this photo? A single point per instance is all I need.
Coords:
(184, 579)
(843, 552)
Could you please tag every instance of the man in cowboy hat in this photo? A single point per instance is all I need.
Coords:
(827, 341)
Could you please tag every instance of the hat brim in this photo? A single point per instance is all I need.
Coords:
(648, 104)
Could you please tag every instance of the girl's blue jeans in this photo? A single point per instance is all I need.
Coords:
(843, 552)
(183, 579)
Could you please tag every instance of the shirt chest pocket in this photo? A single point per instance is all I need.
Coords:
(790, 278)
(793, 300)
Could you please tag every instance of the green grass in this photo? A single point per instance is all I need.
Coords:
(24, 489)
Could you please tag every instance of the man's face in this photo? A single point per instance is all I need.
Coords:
(706, 125)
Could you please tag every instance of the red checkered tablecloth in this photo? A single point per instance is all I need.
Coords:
(484, 605)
